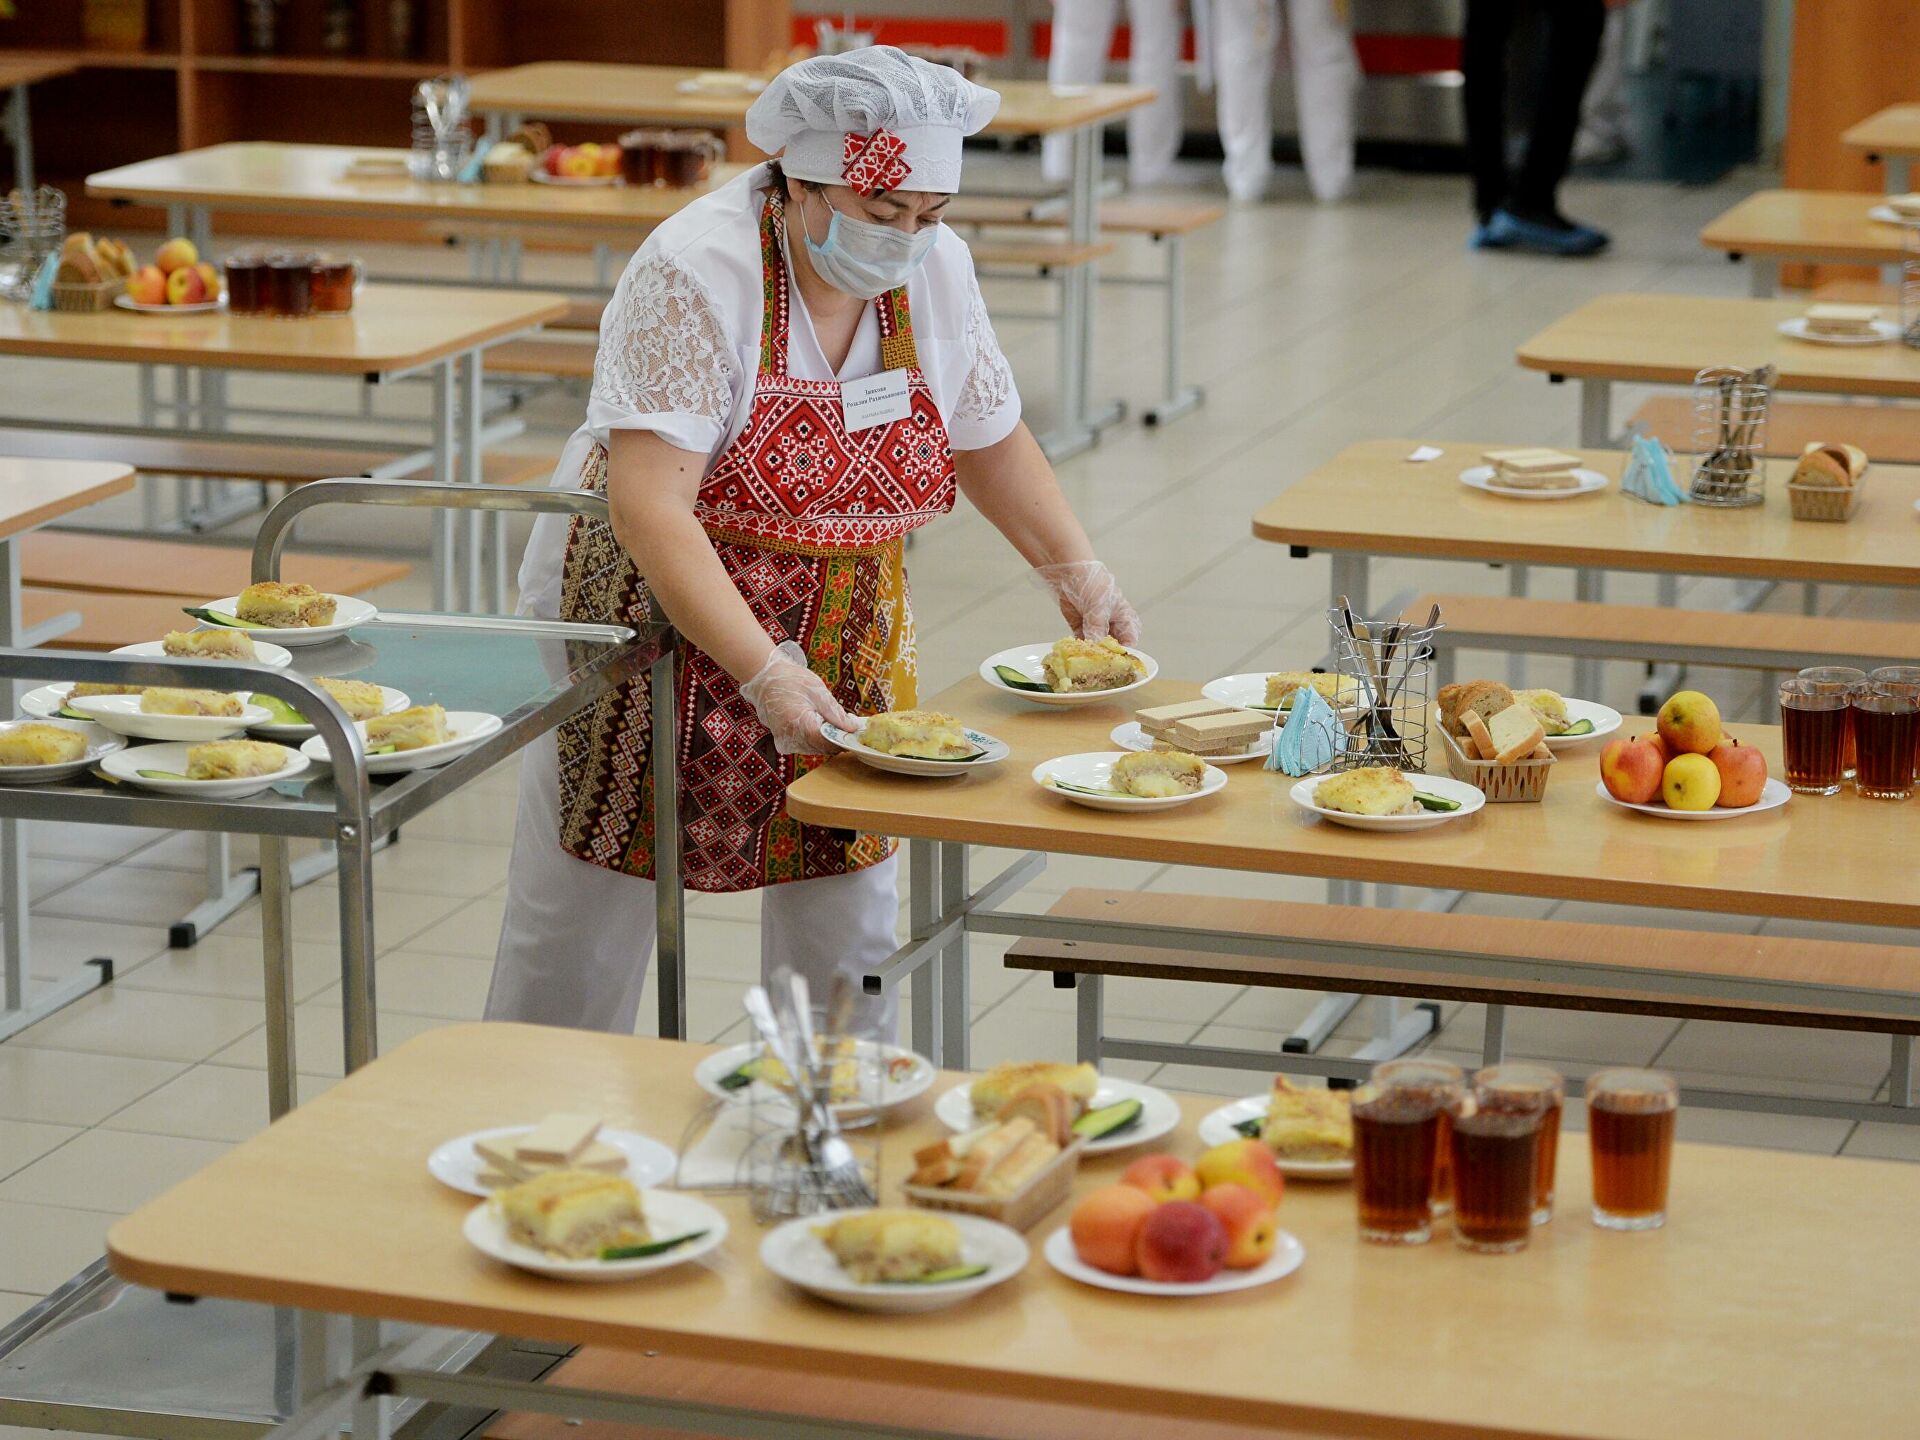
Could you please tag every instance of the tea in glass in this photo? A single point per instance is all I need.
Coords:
(688, 157)
(1901, 680)
(246, 282)
(334, 277)
(1816, 720)
(1495, 1171)
(289, 292)
(1432, 1073)
(1528, 1090)
(1844, 677)
(1884, 732)
(1630, 1118)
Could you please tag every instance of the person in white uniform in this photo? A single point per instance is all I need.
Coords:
(794, 372)
(1241, 43)
(1082, 38)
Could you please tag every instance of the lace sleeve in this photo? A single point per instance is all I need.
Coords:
(663, 348)
(988, 404)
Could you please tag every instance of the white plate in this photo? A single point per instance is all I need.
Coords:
(1480, 477)
(1158, 1113)
(912, 1082)
(801, 1258)
(455, 1163)
(100, 744)
(1471, 798)
(1094, 769)
(1772, 797)
(1217, 1128)
(541, 177)
(1605, 720)
(122, 715)
(1026, 659)
(347, 613)
(668, 1214)
(395, 702)
(46, 701)
(735, 85)
(1887, 215)
(1288, 1255)
(469, 728)
(1796, 329)
(204, 307)
(274, 655)
(992, 753)
(1131, 737)
(1249, 692)
(127, 764)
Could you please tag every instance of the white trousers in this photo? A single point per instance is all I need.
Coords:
(1326, 78)
(576, 941)
(1082, 35)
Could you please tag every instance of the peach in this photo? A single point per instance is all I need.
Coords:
(178, 253)
(1243, 1162)
(148, 286)
(1689, 722)
(1249, 1223)
(1743, 774)
(1181, 1243)
(185, 287)
(1164, 1177)
(1692, 782)
(1106, 1225)
(1631, 770)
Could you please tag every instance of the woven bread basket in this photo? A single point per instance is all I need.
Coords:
(82, 297)
(1025, 1207)
(1823, 502)
(1519, 780)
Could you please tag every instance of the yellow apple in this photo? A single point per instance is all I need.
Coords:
(1692, 782)
(577, 163)
(185, 287)
(177, 254)
(148, 286)
(1242, 1162)
(210, 278)
(1689, 722)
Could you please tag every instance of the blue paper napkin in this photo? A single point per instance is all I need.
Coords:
(1310, 738)
(1649, 473)
(42, 297)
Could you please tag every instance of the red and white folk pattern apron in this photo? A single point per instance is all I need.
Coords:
(808, 520)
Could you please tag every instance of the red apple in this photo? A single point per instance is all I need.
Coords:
(551, 160)
(1743, 774)
(148, 286)
(210, 278)
(185, 287)
(1181, 1242)
(1632, 770)
(1242, 1162)
(1659, 742)
(1249, 1221)
(1164, 1177)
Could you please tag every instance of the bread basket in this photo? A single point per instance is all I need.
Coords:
(84, 297)
(1517, 780)
(1025, 1207)
(1823, 502)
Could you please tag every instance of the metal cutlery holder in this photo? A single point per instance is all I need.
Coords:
(1390, 666)
(1729, 437)
(1910, 290)
(442, 129)
(32, 227)
(775, 1171)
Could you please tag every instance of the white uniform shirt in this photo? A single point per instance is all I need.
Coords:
(680, 350)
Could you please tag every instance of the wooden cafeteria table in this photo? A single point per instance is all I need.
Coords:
(648, 94)
(1668, 339)
(1892, 135)
(1773, 227)
(17, 73)
(1760, 1310)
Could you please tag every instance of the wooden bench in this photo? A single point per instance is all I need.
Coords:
(113, 565)
(549, 359)
(246, 459)
(1394, 969)
(1887, 432)
(106, 621)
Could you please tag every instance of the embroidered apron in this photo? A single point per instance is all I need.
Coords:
(808, 519)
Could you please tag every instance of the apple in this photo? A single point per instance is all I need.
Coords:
(1659, 743)
(1105, 1227)
(210, 278)
(1689, 722)
(578, 164)
(148, 286)
(1242, 1162)
(177, 254)
(1632, 770)
(185, 287)
(1249, 1223)
(1181, 1243)
(1163, 1177)
(609, 160)
(1743, 774)
(1691, 782)
(550, 161)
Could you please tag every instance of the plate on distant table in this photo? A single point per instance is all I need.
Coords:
(1288, 1256)
(347, 613)
(801, 1258)
(393, 702)
(1480, 477)
(1772, 797)
(133, 764)
(123, 716)
(721, 83)
(579, 182)
(1087, 779)
(455, 1162)
(668, 1214)
(1131, 737)
(1796, 329)
(987, 751)
(1605, 720)
(268, 654)
(1471, 798)
(1027, 661)
(1887, 215)
(101, 743)
(203, 307)
(1222, 1127)
(886, 1075)
(1158, 1112)
(469, 728)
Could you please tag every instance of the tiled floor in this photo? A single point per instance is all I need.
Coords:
(1309, 327)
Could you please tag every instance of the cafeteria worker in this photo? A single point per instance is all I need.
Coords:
(795, 372)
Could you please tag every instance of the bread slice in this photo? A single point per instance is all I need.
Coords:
(1478, 736)
(990, 1149)
(1828, 318)
(1050, 1108)
(1487, 697)
(1021, 1164)
(939, 1163)
(1514, 732)
(1530, 461)
(1824, 466)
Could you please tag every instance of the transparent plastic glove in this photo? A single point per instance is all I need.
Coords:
(1089, 598)
(792, 702)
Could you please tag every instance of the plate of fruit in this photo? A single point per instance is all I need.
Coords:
(1689, 768)
(585, 164)
(178, 282)
(1176, 1230)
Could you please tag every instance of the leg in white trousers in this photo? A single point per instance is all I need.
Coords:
(1246, 36)
(1326, 77)
(577, 939)
(1082, 36)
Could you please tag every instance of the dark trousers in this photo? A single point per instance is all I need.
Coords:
(1572, 44)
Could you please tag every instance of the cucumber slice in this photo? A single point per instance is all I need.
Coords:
(1083, 789)
(160, 775)
(1578, 727)
(280, 710)
(946, 1276)
(220, 617)
(384, 750)
(741, 1078)
(652, 1247)
(1435, 802)
(1017, 680)
(1109, 1119)
(1251, 1128)
(68, 713)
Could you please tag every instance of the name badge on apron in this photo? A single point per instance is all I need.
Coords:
(876, 400)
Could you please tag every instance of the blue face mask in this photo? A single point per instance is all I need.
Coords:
(866, 259)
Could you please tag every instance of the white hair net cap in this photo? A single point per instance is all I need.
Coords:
(824, 113)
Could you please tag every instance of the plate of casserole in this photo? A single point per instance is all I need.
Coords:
(417, 738)
(1379, 797)
(361, 699)
(1069, 671)
(160, 712)
(919, 742)
(37, 752)
(1572, 722)
(866, 1075)
(1130, 779)
(896, 1261)
(579, 1225)
(211, 643)
(1272, 690)
(1108, 1114)
(209, 770)
(1309, 1129)
(295, 613)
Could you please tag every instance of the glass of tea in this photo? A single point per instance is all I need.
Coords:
(640, 156)
(1435, 1073)
(1901, 680)
(334, 277)
(1815, 720)
(289, 293)
(687, 157)
(1884, 725)
(1528, 1090)
(1845, 677)
(1496, 1165)
(1396, 1147)
(246, 282)
(1630, 1115)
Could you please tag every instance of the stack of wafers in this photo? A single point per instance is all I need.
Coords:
(1533, 469)
(1203, 727)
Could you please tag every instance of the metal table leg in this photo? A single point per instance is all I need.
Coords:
(1763, 276)
(359, 1019)
(956, 1003)
(444, 521)
(1073, 432)
(923, 891)
(1178, 397)
(1589, 586)
(1517, 578)
(1596, 405)
(474, 522)
(670, 919)
(1898, 180)
(276, 954)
